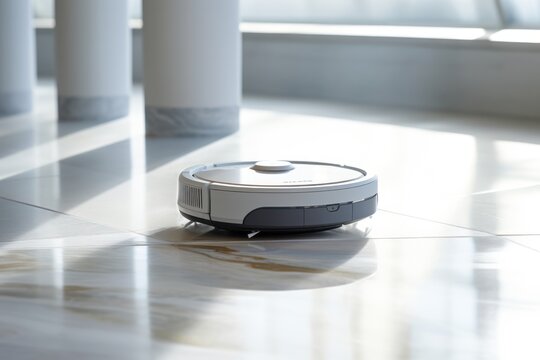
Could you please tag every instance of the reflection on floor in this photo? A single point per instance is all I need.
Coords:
(95, 261)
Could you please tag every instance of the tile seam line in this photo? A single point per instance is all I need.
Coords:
(377, 238)
(487, 233)
(502, 236)
(113, 229)
(275, 241)
(243, 242)
(521, 245)
(517, 235)
(218, 242)
(69, 215)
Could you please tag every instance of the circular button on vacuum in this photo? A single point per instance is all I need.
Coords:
(273, 165)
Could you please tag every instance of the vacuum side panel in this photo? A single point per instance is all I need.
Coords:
(232, 207)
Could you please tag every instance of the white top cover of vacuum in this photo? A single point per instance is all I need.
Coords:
(279, 173)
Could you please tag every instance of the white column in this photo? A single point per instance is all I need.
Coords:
(192, 66)
(17, 56)
(93, 59)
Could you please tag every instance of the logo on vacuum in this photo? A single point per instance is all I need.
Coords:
(296, 181)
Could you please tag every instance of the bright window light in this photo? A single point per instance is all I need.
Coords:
(414, 32)
(516, 35)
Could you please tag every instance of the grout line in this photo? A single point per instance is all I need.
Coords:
(522, 245)
(518, 235)
(487, 233)
(248, 242)
(502, 236)
(429, 237)
(168, 242)
(439, 222)
(34, 205)
(66, 214)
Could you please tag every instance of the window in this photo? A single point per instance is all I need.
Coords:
(44, 9)
(521, 13)
(374, 12)
(493, 14)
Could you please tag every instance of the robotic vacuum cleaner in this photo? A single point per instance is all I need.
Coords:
(276, 195)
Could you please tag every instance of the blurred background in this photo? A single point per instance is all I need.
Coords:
(483, 13)
(473, 56)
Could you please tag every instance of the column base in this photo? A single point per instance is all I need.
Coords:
(74, 108)
(15, 103)
(191, 121)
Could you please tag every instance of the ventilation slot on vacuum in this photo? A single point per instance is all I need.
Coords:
(192, 196)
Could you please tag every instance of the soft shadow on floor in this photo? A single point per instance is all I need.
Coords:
(222, 259)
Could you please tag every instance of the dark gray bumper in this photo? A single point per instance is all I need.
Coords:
(288, 219)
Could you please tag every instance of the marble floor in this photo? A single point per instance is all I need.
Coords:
(95, 261)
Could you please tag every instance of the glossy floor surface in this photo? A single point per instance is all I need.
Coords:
(95, 261)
